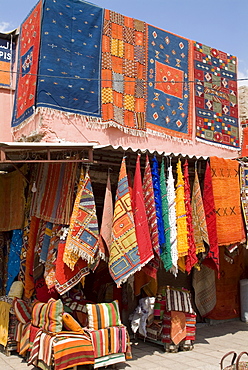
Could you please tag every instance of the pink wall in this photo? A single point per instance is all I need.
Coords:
(6, 105)
(56, 126)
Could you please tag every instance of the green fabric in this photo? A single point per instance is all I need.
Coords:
(166, 252)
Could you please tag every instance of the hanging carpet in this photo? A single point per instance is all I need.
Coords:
(14, 257)
(172, 220)
(107, 221)
(244, 193)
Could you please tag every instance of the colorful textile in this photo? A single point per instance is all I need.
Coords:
(28, 59)
(178, 326)
(12, 200)
(244, 149)
(205, 289)
(72, 32)
(166, 252)
(109, 360)
(25, 341)
(22, 311)
(45, 351)
(198, 217)
(216, 100)
(46, 241)
(140, 219)
(190, 321)
(172, 220)
(103, 315)
(228, 286)
(212, 258)
(244, 193)
(178, 300)
(4, 322)
(158, 202)
(190, 326)
(182, 232)
(123, 73)
(53, 199)
(169, 101)
(14, 257)
(37, 317)
(71, 324)
(124, 259)
(29, 279)
(191, 258)
(50, 266)
(109, 340)
(72, 350)
(82, 239)
(34, 353)
(107, 221)
(65, 278)
(226, 192)
(53, 315)
(4, 252)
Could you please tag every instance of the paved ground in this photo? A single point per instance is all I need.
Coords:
(212, 342)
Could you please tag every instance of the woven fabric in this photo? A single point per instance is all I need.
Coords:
(4, 322)
(22, 311)
(54, 196)
(158, 203)
(65, 278)
(178, 300)
(103, 315)
(166, 252)
(45, 351)
(124, 259)
(198, 217)
(190, 326)
(140, 219)
(46, 241)
(37, 317)
(28, 59)
(53, 316)
(71, 324)
(191, 258)
(109, 360)
(107, 221)
(178, 326)
(82, 239)
(25, 341)
(182, 233)
(109, 340)
(205, 289)
(212, 258)
(244, 149)
(169, 101)
(34, 353)
(244, 192)
(71, 33)
(226, 192)
(50, 265)
(72, 350)
(14, 257)
(216, 101)
(123, 72)
(172, 220)
(12, 200)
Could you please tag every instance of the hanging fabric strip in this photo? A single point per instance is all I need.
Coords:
(172, 220)
(107, 221)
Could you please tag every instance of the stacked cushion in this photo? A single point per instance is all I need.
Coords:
(48, 316)
(103, 315)
(22, 311)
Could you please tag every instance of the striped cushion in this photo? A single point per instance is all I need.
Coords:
(103, 315)
(38, 314)
(53, 316)
(22, 311)
(178, 300)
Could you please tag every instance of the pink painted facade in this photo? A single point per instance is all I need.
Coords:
(6, 105)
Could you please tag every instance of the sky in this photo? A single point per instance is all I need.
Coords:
(220, 24)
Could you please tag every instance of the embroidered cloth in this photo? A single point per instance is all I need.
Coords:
(182, 233)
(14, 257)
(158, 202)
(172, 220)
(244, 192)
(28, 59)
(169, 99)
(198, 217)
(140, 218)
(124, 259)
(107, 221)
(212, 258)
(12, 200)
(70, 52)
(226, 192)
(65, 278)
(191, 258)
(82, 239)
(166, 252)
(205, 289)
(216, 103)
(54, 196)
(123, 73)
